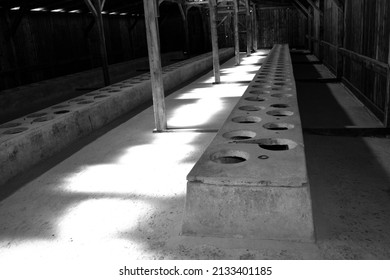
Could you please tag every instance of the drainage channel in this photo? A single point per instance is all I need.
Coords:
(251, 182)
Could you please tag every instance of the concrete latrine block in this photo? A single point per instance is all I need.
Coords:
(251, 182)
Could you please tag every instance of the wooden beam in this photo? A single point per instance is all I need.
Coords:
(299, 10)
(151, 22)
(302, 7)
(346, 4)
(387, 98)
(223, 20)
(91, 7)
(340, 44)
(368, 62)
(339, 5)
(214, 40)
(95, 9)
(236, 34)
(248, 29)
(309, 29)
(315, 7)
(317, 26)
(103, 48)
(255, 29)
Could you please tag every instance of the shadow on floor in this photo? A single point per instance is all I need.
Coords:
(349, 177)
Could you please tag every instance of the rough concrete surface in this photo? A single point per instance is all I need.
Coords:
(119, 193)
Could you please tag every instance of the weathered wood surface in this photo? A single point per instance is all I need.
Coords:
(362, 34)
(152, 34)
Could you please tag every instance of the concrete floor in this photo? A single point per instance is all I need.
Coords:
(120, 192)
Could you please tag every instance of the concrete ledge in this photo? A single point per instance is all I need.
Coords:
(18, 101)
(32, 138)
(251, 182)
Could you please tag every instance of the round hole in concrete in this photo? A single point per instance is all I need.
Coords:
(250, 108)
(229, 157)
(262, 86)
(255, 99)
(246, 119)
(100, 96)
(280, 113)
(259, 92)
(15, 130)
(280, 105)
(61, 112)
(85, 102)
(278, 126)
(9, 125)
(281, 95)
(262, 82)
(277, 144)
(36, 115)
(60, 106)
(43, 119)
(280, 84)
(95, 93)
(240, 135)
(76, 100)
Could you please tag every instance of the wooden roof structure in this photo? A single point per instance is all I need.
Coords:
(150, 10)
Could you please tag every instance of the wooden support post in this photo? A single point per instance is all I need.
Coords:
(255, 29)
(95, 8)
(309, 29)
(151, 22)
(236, 34)
(387, 104)
(340, 44)
(318, 32)
(346, 3)
(214, 39)
(103, 49)
(248, 29)
(315, 7)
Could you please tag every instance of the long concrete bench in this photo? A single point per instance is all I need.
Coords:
(251, 182)
(27, 140)
(22, 100)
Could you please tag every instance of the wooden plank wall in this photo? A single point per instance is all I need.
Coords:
(54, 44)
(281, 25)
(367, 33)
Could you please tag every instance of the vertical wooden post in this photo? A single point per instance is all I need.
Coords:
(346, 3)
(214, 40)
(236, 34)
(340, 44)
(255, 29)
(309, 27)
(152, 35)
(96, 9)
(387, 104)
(248, 29)
(102, 39)
(318, 31)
